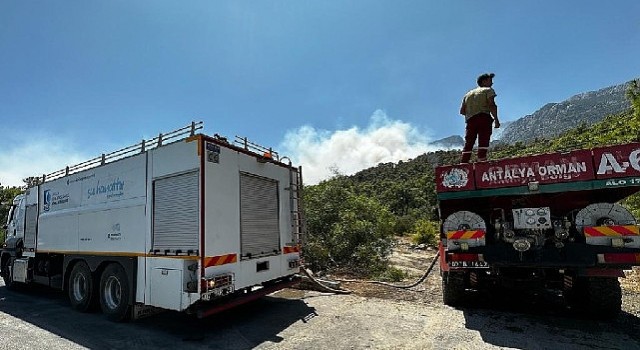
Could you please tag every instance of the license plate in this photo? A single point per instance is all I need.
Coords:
(475, 264)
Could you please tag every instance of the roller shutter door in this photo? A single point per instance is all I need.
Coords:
(176, 214)
(259, 210)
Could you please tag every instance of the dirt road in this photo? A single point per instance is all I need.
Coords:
(295, 319)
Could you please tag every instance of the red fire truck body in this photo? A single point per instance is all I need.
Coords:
(549, 221)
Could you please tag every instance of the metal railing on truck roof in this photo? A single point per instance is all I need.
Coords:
(256, 148)
(140, 147)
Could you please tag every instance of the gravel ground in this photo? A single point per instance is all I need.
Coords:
(631, 292)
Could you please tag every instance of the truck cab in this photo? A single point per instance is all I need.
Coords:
(15, 217)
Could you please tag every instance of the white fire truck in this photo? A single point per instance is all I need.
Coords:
(183, 222)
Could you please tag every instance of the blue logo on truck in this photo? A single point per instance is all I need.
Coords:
(53, 199)
(47, 200)
(110, 190)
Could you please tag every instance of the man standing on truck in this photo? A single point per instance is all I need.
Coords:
(480, 111)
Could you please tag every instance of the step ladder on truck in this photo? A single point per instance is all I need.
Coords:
(543, 222)
(183, 221)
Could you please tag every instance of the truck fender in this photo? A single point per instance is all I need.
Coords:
(13, 246)
(11, 249)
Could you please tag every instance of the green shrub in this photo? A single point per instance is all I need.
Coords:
(425, 232)
(393, 274)
(633, 204)
(346, 230)
(404, 225)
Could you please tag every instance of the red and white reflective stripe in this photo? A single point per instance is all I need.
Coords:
(611, 231)
(464, 257)
(220, 260)
(466, 234)
(619, 258)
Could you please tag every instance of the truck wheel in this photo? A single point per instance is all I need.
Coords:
(114, 293)
(81, 288)
(453, 288)
(7, 267)
(596, 297)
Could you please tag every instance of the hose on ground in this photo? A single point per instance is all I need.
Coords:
(420, 280)
(322, 286)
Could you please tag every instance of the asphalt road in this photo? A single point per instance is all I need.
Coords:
(293, 319)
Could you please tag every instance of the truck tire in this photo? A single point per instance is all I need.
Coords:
(6, 268)
(114, 293)
(81, 288)
(453, 288)
(596, 297)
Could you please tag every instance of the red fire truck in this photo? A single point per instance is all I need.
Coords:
(543, 222)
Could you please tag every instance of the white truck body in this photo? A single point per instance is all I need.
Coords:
(188, 221)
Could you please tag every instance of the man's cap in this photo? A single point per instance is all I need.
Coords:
(485, 76)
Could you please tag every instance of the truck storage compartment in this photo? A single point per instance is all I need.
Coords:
(259, 221)
(176, 214)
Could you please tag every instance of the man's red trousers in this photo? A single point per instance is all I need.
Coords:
(478, 126)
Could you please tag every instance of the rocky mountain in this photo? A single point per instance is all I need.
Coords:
(556, 118)
(457, 141)
(454, 141)
(496, 134)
